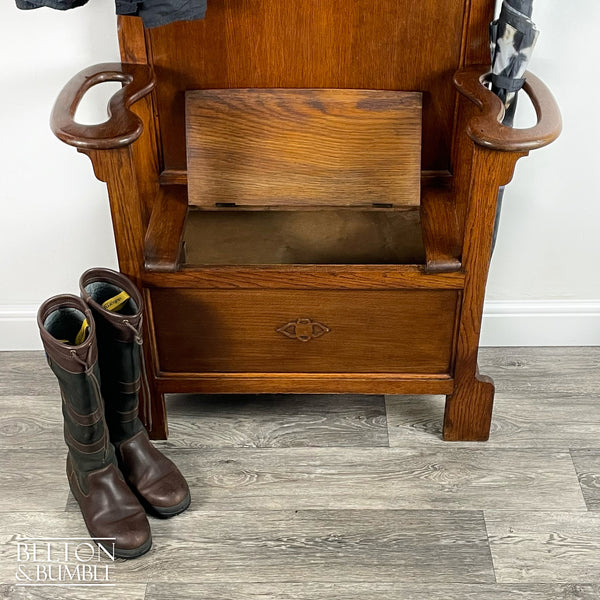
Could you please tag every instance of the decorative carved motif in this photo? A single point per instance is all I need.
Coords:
(303, 330)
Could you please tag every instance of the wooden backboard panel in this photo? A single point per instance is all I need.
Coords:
(369, 44)
(308, 147)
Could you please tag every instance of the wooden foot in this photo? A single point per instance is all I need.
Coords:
(468, 413)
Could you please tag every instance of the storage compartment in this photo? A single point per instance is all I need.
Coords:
(309, 330)
(303, 237)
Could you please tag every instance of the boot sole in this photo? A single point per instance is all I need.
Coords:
(165, 512)
(162, 512)
(130, 552)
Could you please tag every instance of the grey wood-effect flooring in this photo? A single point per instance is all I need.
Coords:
(340, 497)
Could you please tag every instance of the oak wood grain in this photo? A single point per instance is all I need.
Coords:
(429, 178)
(318, 546)
(117, 167)
(49, 523)
(539, 553)
(365, 277)
(303, 147)
(163, 241)
(146, 158)
(132, 43)
(123, 127)
(279, 421)
(544, 546)
(124, 591)
(440, 231)
(372, 590)
(31, 422)
(303, 383)
(33, 480)
(476, 46)
(245, 331)
(587, 464)
(486, 129)
(528, 419)
(380, 478)
(542, 371)
(380, 46)
(260, 380)
(271, 44)
(26, 374)
(468, 411)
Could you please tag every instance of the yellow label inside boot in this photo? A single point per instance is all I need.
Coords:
(80, 337)
(116, 302)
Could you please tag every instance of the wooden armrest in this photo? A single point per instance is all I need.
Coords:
(123, 126)
(165, 229)
(487, 130)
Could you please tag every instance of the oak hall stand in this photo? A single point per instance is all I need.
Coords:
(305, 194)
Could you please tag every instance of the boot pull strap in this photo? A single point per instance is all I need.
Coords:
(136, 330)
(84, 363)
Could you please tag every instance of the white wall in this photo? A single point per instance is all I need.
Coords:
(544, 284)
(55, 220)
(544, 287)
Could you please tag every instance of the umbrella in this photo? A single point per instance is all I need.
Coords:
(512, 39)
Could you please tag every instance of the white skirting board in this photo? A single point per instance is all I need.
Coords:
(541, 323)
(18, 328)
(523, 323)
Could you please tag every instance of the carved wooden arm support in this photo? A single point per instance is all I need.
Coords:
(486, 129)
(163, 243)
(123, 126)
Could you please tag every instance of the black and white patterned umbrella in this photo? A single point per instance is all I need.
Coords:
(512, 39)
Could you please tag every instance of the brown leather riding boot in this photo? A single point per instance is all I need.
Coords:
(117, 307)
(109, 508)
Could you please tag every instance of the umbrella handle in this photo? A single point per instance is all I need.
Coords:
(486, 129)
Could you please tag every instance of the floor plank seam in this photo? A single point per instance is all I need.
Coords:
(489, 545)
(387, 419)
(581, 490)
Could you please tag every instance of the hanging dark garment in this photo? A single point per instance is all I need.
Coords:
(153, 12)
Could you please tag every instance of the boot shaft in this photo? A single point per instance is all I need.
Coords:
(117, 307)
(68, 335)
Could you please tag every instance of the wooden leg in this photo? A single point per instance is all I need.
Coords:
(468, 413)
(158, 429)
(469, 409)
(152, 408)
